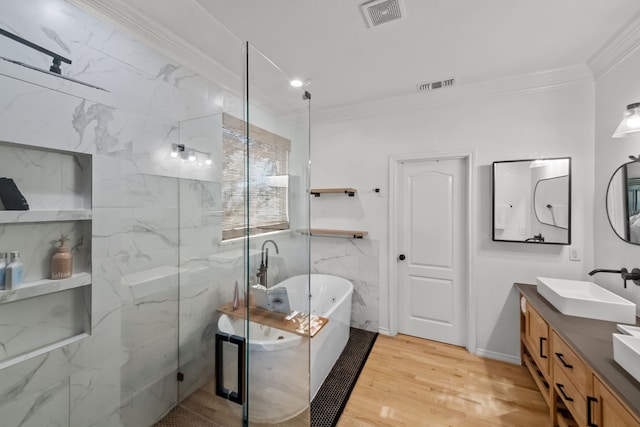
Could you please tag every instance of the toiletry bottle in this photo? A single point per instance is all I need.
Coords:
(3, 269)
(61, 262)
(14, 271)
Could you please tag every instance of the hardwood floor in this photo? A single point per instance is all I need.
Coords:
(413, 382)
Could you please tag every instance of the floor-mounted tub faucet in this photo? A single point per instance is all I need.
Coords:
(623, 272)
(264, 262)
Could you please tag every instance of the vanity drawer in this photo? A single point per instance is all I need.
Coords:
(538, 339)
(571, 364)
(573, 399)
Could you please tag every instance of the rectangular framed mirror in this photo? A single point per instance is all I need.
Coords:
(532, 201)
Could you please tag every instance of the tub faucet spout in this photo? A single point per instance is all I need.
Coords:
(264, 262)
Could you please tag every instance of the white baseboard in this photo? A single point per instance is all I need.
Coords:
(499, 356)
(384, 331)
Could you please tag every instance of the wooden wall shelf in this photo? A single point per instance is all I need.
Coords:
(355, 234)
(348, 191)
(271, 318)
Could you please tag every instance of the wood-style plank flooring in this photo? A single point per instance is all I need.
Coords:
(413, 382)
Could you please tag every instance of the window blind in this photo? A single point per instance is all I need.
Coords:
(264, 180)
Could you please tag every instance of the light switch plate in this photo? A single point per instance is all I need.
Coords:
(575, 253)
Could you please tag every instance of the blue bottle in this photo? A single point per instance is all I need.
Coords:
(14, 271)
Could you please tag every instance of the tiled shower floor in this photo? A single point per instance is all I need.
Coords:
(204, 409)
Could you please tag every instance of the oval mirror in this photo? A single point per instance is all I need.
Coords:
(623, 202)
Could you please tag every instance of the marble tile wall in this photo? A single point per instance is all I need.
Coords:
(124, 374)
(356, 260)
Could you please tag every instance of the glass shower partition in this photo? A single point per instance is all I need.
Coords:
(277, 245)
(244, 219)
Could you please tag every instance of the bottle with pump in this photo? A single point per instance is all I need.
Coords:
(14, 271)
(61, 262)
(3, 270)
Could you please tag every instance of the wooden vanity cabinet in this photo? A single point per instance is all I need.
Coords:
(576, 396)
(607, 411)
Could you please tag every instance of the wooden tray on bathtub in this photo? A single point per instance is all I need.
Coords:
(271, 318)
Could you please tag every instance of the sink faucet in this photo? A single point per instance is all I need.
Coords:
(623, 272)
(536, 238)
(264, 262)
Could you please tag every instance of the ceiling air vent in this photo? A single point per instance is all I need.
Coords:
(426, 87)
(377, 12)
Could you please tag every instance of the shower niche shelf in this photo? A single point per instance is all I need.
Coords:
(45, 314)
(43, 287)
(45, 215)
(351, 192)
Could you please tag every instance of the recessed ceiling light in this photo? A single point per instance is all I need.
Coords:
(296, 83)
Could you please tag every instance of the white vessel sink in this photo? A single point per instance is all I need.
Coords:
(626, 351)
(629, 330)
(586, 299)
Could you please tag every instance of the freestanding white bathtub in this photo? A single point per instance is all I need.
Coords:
(280, 385)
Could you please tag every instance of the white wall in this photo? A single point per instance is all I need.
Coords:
(614, 91)
(554, 121)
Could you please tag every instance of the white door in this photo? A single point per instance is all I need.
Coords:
(431, 234)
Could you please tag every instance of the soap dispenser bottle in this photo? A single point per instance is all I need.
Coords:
(14, 271)
(61, 262)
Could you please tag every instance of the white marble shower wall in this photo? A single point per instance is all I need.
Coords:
(124, 374)
(201, 291)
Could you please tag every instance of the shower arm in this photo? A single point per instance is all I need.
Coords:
(57, 59)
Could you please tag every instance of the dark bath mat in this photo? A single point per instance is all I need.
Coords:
(334, 393)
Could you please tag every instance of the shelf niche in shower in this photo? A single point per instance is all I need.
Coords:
(45, 314)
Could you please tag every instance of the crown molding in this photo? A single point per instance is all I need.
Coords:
(127, 18)
(526, 83)
(622, 44)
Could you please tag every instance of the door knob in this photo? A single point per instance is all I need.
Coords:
(401, 257)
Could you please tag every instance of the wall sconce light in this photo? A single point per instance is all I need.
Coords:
(630, 121)
(176, 149)
(180, 151)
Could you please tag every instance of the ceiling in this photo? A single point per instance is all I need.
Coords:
(329, 43)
